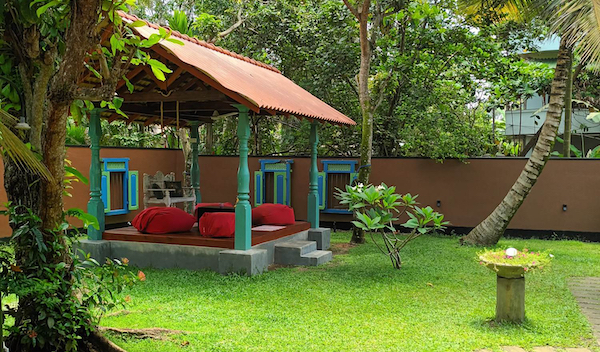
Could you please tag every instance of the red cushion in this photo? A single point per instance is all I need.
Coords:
(215, 205)
(217, 225)
(273, 214)
(158, 220)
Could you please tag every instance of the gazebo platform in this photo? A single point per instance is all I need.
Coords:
(296, 244)
(260, 234)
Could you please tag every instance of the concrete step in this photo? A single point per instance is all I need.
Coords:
(300, 253)
(318, 257)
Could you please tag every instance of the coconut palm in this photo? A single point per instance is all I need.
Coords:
(577, 22)
(13, 148)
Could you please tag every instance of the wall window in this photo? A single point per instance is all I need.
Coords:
(272, 183)
(120, 186)
(336, 174)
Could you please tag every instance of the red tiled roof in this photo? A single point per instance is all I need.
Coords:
(261, 85)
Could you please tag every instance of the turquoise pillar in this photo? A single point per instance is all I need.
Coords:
(195, 167)
(95, 205)
(243, 210)
(313, 187)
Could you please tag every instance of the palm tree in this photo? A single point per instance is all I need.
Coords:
(577, 22)
(13, 148)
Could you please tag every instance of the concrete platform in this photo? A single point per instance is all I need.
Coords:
(192, 257)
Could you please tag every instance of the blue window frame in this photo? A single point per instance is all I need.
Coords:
(272, 184)
(115, 173)
(336, 174)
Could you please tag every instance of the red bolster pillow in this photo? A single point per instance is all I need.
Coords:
(160, 220)
(225, 205)
(217, 225)
(273, 214)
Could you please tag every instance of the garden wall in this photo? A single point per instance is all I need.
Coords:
(467, 192)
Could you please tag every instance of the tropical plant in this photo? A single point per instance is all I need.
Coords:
(46, 48)
(64, 298)
(376, 208)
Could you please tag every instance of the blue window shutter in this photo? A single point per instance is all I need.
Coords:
(322, 190)
(259, 193)
(105, 187)
(133, 191)
(280, 187)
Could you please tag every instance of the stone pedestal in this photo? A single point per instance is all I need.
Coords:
(510, 299)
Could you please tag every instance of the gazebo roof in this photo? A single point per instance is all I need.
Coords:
(222, 77)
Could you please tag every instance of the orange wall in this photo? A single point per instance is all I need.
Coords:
(468, 191)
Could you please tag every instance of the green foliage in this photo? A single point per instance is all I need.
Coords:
(60, 302)
(593, 153)
(376, 208)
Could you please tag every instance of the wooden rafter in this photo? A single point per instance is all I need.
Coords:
(174, 76)
(151, 97)
(113, 117)
(183, 78)
(130, 76)
(203, 77)
(160, 84)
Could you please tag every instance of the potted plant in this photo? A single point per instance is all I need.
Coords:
(510, 266)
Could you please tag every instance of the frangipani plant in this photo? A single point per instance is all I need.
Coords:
(377, 207)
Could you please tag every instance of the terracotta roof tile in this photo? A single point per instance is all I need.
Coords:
(261, 84)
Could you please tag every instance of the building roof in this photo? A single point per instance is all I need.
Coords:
(260, 87)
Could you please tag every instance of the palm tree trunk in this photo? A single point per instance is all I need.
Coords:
(569, 109)
(489, 231)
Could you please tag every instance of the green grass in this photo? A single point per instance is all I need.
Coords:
(441, 300)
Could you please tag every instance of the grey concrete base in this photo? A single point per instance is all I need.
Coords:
(300, 253)
(250, 262)
(155, 255)
(161, 256)
(99, 250)
(322, 236)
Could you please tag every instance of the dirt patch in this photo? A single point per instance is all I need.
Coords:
(341, 248)
(151, 333)
(274, 267)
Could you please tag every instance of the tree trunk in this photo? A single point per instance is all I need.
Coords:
(489, 231)
(366, 144)
(568, 109)
(51, 212)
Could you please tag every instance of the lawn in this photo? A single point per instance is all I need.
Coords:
(441, 300)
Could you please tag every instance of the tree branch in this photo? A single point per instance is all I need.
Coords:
(352, 9)
(228, 31)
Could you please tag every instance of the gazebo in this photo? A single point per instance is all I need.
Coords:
(205, 79)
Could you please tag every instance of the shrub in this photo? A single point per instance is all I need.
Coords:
(377, 207)
(61, 297)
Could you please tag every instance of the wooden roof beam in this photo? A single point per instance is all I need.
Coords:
(161, 84)
(130, 75)
(174, 76)
(181, 96)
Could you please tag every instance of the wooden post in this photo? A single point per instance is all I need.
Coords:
(195, 169)
(313, 187)
(243, 209)
(95, 204)
(510, 299)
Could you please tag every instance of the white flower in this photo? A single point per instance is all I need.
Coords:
(511, 252)
(360, 185)
(551, 255)
(380, 188)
